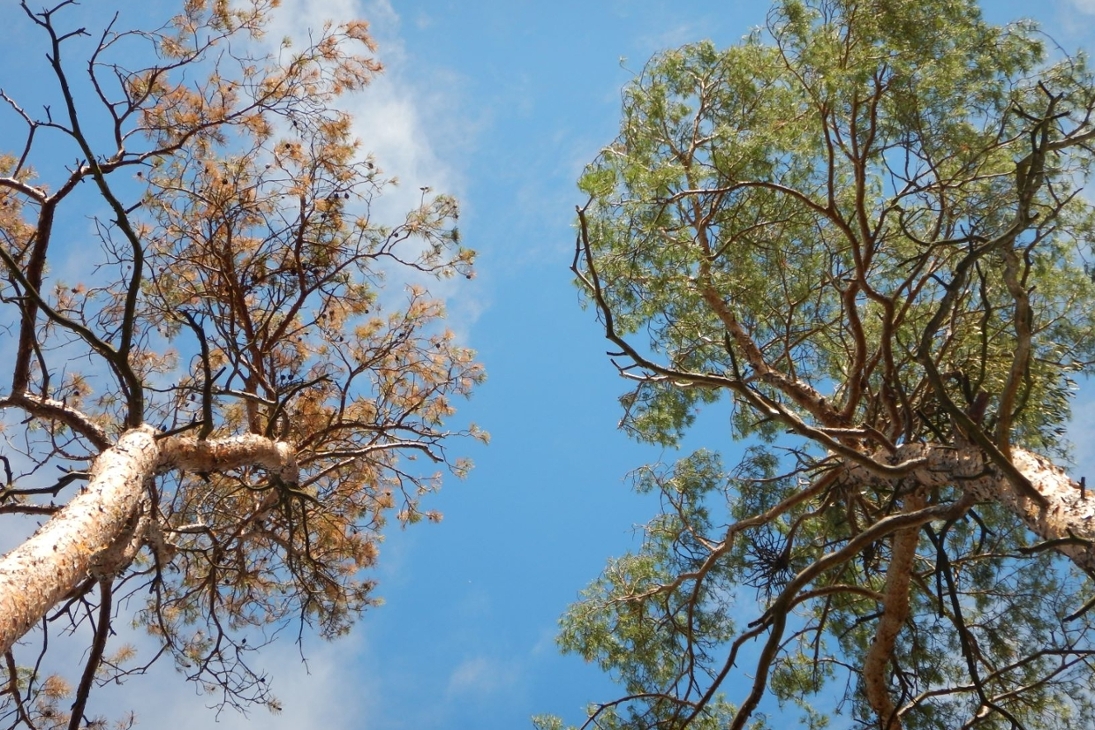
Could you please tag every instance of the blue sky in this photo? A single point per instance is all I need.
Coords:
(501, 103)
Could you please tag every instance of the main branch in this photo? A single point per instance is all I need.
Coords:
(64, 551)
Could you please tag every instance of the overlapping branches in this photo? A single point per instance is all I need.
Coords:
(866, 230)
(246, 400)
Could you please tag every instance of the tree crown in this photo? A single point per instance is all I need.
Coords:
(866, 225)
(252, 394)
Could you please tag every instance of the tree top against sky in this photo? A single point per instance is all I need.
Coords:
(866, 227)
(478, 100)
(237, 384)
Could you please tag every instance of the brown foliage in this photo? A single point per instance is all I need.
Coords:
(235, 305)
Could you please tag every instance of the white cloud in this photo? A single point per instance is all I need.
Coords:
(407, 123)
(321, 693)
(1084, 6)
(481, 677)
(390, 114)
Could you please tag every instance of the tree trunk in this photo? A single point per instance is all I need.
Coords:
(102, 521)
(895, 611)
(58, 557)
(1066, 522)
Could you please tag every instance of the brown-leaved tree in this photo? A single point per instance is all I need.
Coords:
(216, 401)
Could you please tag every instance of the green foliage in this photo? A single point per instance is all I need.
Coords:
(775, 173)
(866, 225)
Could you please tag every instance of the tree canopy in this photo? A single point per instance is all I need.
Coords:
(237, 368)
(864, 226)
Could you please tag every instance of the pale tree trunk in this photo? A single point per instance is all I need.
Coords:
(1066, 522)
(1068, 519)
(104, 525)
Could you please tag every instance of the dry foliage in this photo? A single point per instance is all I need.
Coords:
(231, 388)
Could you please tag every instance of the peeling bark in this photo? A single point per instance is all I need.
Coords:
(59, 556)
(194, 455)
(112, 560)
(101, 530)
(1066, 522)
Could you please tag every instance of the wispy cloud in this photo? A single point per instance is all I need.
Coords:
(481, 677)
(321, 693)
(389, 116)
(1084, 6)
(318, 693)
(405, 121)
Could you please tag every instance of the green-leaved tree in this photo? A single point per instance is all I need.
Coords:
(867, 229)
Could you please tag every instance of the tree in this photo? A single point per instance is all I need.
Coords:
(865, 227)
(234, 398)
